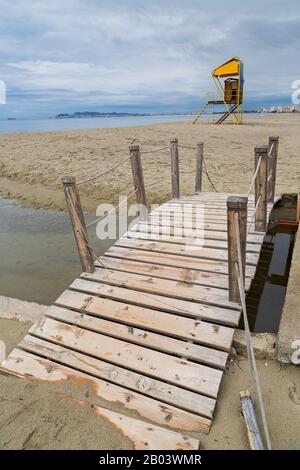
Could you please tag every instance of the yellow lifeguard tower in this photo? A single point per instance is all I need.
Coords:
(230, 90)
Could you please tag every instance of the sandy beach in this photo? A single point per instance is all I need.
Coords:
(32, 164)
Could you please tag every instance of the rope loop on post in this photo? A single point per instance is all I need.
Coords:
(254, 176)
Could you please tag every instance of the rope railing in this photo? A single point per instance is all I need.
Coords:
(254, 176)
(208, 176)
(153, 183)
(187, 172)
(98, 175)
(114, 167)
(254, 213)
(145, 152)
(187, 147)
(113, 209)
(271, 150)
(250, 350)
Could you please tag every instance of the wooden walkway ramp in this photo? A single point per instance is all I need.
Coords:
(151, 327)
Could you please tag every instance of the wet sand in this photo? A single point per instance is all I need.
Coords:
(32, 164)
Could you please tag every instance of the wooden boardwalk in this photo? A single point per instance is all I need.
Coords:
(152, 329)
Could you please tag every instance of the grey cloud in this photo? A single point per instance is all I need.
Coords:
(139, 53)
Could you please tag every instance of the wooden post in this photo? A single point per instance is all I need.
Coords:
(137, 174)
(248, 412)
(261, 187)
(236, 204)
(175, 168)
(272, 165)
(298, 208)
(78, 223)
(199, 165)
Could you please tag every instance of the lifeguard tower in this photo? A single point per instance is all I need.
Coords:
(229, 81)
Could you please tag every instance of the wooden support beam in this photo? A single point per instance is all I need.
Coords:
(298, 208)
(248, 413)
(199, 167)
(78, 223)
(272, 165)
(137, 174)
(175, 168)
(261, 187)
(236, 204)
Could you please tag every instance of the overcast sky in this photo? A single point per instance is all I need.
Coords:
(74, 55)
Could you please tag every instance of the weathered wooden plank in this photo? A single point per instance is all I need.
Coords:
(193, 216)
(194, 210)
(165, 259)
(153, 320)
(165, 287)
(192, 376)
(214, 204)
(187, 250)
(151, 387)
(207, 225)
(214, 195)
(145, 436)
(25, 364)
(192, 240)
(158, 228)
(248, 412)
(187, 276)
(159, 302)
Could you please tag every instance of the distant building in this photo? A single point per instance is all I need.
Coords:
(293, 108)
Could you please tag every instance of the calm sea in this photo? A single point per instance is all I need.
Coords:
(40, 125)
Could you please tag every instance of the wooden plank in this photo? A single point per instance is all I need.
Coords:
(165, 259)
(153, 320)
(216, 206)
(25, 364)
(248, 412)
(192, 240)
(150, 387)
(213, 203)
(189, 375)
(159, 302)
(221, 227)
(214, 195)
(187, 250)
(187, 276)
(145, 437)
(165, 287)
(157, 228)
(193, 214)
(195, 210)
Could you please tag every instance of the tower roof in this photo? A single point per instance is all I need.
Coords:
(228, 69)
